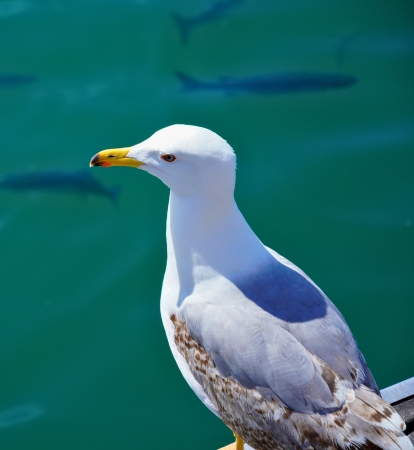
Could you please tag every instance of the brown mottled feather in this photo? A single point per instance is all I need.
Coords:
(267, 424)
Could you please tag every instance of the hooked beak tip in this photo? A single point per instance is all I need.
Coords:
(94, 160)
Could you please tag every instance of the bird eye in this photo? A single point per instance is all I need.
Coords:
(168, 157)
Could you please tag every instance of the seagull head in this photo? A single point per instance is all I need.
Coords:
(190, 160)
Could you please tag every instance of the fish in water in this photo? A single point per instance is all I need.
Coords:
(217, 11)
(277, 83)
(15, 79)
(20, 414)
(79, 182)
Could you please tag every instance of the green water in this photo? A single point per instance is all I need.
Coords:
(325, 178)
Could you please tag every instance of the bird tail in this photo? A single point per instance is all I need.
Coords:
(189, 83)
(184, 25)
(378, 421)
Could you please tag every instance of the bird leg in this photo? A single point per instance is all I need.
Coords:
(239, 442)
(238, 445)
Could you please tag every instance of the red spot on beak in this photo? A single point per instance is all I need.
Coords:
(101, 163)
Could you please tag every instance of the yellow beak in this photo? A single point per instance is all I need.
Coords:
(114, 157)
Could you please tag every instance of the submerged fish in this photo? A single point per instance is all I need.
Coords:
(79, 182)
(278, 83)
(15, 79)
(217, 11)
(20, 414)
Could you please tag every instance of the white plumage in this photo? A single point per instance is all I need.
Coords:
(259, 343)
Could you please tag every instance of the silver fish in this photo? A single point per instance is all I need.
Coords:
(8, 80)
(79, 182)
(277, 83)
(217, 11)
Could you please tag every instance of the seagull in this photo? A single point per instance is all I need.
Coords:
(258, 342)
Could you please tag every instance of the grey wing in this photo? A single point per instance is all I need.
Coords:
(329, 337)
(281, 335)
(260, 354)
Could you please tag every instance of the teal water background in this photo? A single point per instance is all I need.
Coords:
(324, 178)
